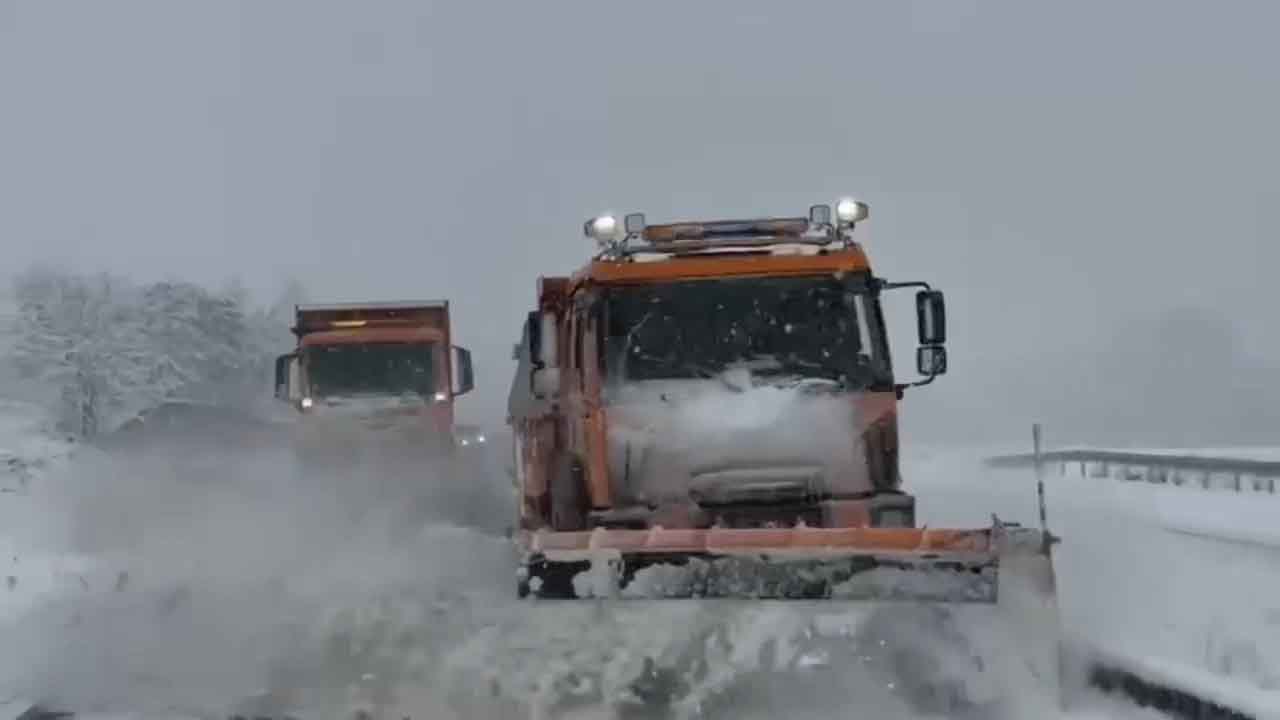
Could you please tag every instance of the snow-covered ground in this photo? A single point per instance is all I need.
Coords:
(172, 584)
(29, 450)
(1178, 577)
(29, 445)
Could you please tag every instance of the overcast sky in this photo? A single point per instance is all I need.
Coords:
(1060, 169)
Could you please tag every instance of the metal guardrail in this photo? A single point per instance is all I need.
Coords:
(1237, 474)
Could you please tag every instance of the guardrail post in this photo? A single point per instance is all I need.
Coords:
(1035, 439)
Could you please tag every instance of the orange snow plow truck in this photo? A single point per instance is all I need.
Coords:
(376, 366)
(708, 409)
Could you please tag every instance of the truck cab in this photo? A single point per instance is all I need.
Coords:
(727, 373)
(388, 367)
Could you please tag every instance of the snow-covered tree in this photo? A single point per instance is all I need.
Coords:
(194, 339)
(107, 349)
(80, 337)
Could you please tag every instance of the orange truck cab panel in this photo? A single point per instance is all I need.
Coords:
(376, 365)
(724, 374)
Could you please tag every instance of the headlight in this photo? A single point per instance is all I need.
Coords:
(307, 403)
(467, 437)
(442, 397)
(850, 211)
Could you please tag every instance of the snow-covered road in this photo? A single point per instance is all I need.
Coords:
(175, 584)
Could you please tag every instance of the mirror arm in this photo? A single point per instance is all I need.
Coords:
(900, 388)
(880, 284)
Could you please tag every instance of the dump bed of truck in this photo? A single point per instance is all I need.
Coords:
(330, 316)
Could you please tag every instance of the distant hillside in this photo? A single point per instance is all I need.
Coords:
(8, 314)
(13, 387)
(10, 386)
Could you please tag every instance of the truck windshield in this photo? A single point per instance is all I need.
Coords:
(372, 369)
(821, 327)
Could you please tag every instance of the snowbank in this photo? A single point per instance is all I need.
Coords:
(1198, 598)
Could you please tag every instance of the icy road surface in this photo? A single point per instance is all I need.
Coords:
(179, 583)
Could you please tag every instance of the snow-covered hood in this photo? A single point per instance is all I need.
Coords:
(662, 434)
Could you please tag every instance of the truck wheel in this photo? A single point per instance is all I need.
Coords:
(568, 511)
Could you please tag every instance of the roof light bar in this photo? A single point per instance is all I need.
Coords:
(768, 228)
(817, 229)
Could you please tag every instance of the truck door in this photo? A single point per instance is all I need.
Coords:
(597, 454)
(586, 412)
(575, 391)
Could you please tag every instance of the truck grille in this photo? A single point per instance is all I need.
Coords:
(757, 486)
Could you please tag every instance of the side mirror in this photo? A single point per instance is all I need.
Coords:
(548, 341)
(283, 367)
(546, 373)
(464, 379)
(931, 360)
(931, 316)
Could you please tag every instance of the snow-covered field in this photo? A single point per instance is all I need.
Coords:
(171, 584)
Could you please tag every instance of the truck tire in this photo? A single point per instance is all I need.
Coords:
(568, 496)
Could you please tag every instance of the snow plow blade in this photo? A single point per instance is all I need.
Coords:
(893, 564)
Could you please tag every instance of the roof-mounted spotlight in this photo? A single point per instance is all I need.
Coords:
(850, 211)
(604, 229)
